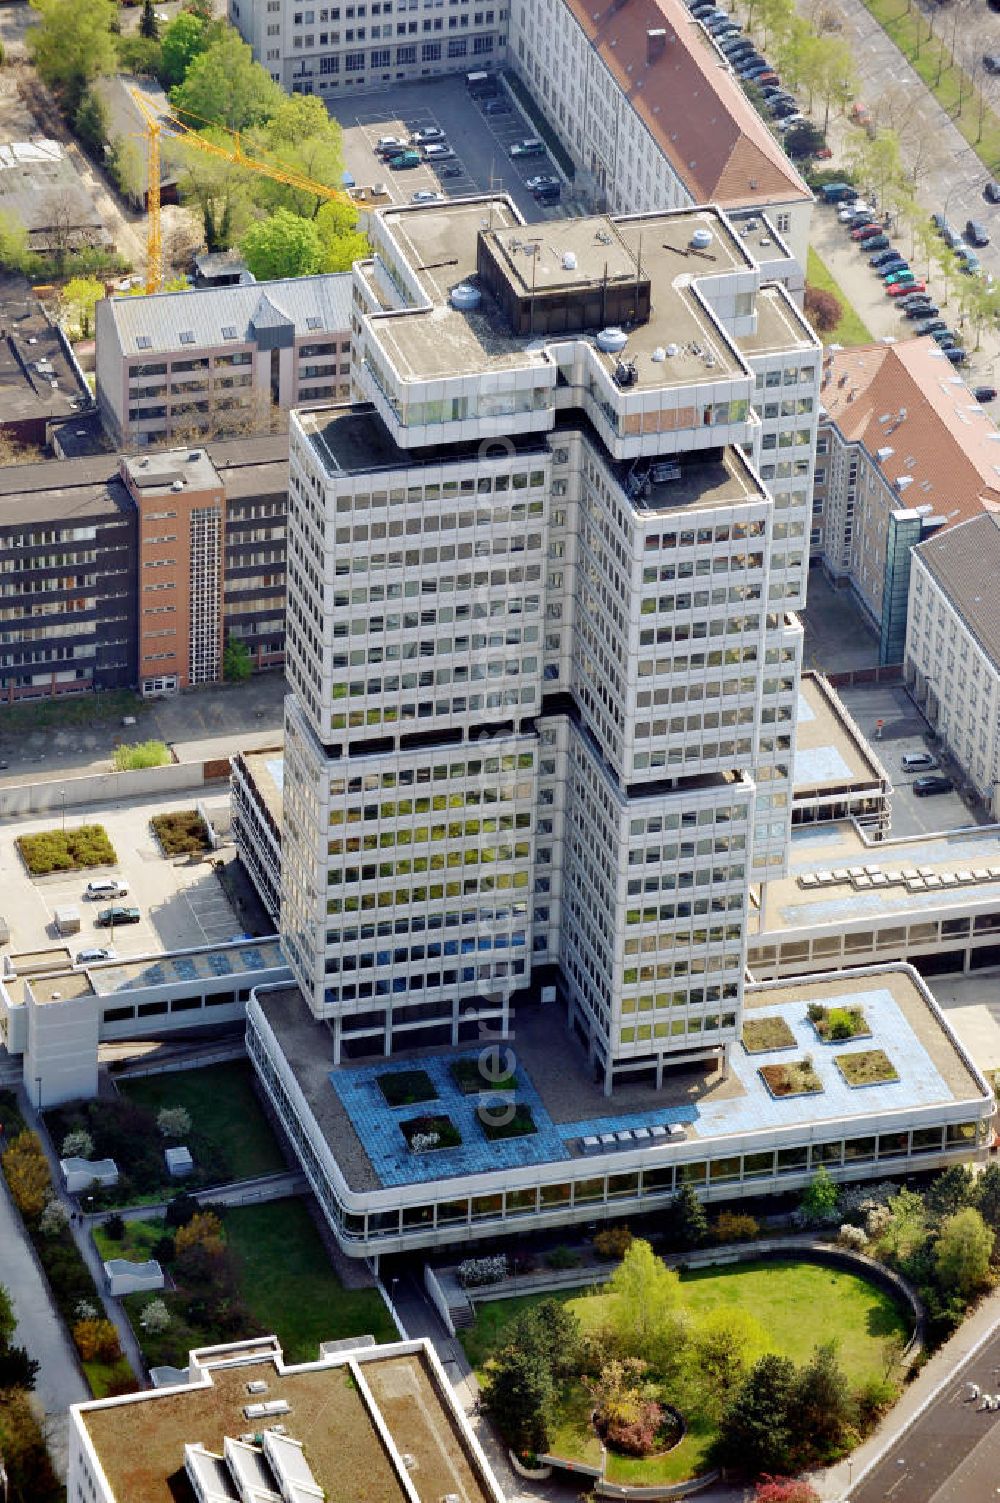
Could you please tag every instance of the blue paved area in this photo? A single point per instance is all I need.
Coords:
(378, 1125)
(236, 961)
(805, 710)
(919, 1084)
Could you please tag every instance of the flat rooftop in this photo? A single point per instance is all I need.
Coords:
(365, 1136)
(351, 439)
(878, 882)
(61, 986)
(266, 770)
(780, 327)
(140, 1441)
(440, 243)
(188, 469)
(704, 478)
(830, 751)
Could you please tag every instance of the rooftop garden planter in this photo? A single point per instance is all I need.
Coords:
(428, 1134)
(407, 1087)
(473, 1076)
(497, 1121)
(838, 1025)
(760, 1035)
(797, 1078)
(867, 1067)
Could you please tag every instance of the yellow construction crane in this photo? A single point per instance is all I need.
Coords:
(158, 121)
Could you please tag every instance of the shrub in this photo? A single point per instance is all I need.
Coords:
(613, 1242)
(181, 833)
(96, 1341)
(406, 1087)
(874, 1398)
(430, 1132)
(85, 1310)
(54, 1218)
(155, 1317)
(563, 1257)
(736, 1226)
(823, 309)
(27, 1173)
(174, 1121)
(66, 850)
(498, 1121)
(115, 1228)
(77, 1144)
(181, 1209)
(852, 1237)
(785, 1490)
(164, 1249)
(473, 1273)
(132, 758)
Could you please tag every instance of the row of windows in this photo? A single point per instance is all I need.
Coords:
(434, 892)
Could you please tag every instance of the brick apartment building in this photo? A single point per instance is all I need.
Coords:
(133, 571)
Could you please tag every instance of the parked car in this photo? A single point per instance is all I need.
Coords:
(921, 310)
(896, 273)
(976, 232)
(388, 144)
(939, 222)
(450, 169)
(106, 887)
(438, 151)
(935, 783)
(991, 62)
(780, 110)
(753, 68)
(529, 147)
(865, 232)
(885, 258)
(848, 211)
(957, 356)
(860, 113)
(875, 242)
(991, 192)
(427, 196)
(403, 159)
(425, 134)
(108, 918)
(968, 261)
(929, 325)
(496, 107)
(541, 180)
(919, 762)
(984, 393)
(945, 338)
(96, 952)
(769, 77)
(900, 289)
(737, 46)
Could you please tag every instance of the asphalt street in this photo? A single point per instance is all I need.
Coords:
(951, 1454)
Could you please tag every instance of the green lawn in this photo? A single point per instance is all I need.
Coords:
(908, 30)
(289, 1285)
(800, 1305)
(82, 710)
(110, 1377)
(137, 1244)
(850, 330)
(224, 1110)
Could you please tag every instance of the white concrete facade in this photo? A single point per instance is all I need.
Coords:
(333, 50)
(542, 714)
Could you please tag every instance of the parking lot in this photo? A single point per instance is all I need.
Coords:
(182, 903)
(481, 144)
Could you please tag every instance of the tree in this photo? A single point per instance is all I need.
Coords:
(77, 1144)
(72, 44)
(819, 1198)
(950, 1191)
(519, 1397)
(907, 1229)
(237, 664)
(821, 1411)
(90, 123)
(823, 309)
(646, 1315)
(14, 252)
(203, 1230)
(77, 302)
(149, 26)
(989, 1195)
(552, 1330)
(174, 1121)
(183, 40)
(182, 1209)
(341, 241)
(139, 55)
(224, 85)
(8, 1324)
(755, 1433)
(963, 1251)
(726, 1342)
(832, 74)
(283, 245)
(22, 1446)
(155, 1317)
(690, 1223)
(96, 1340)
(17, 1369)
(27, 1172)
(301, 136)
(114, 1227)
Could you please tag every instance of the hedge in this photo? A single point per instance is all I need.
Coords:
(66, 850)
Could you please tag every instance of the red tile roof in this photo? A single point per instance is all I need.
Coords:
(945, 441)
(691, 102)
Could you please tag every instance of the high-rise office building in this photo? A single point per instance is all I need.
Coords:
(541, 635)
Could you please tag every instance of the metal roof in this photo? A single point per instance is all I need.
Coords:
(203, 312)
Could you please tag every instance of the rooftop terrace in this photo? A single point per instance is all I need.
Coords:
(830, 751)
(140, 1440)
(365, 1134)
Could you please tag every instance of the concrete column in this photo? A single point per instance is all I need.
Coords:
(336, 1040)
(659, 1071)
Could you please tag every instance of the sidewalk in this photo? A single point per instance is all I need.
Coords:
(836, 1482)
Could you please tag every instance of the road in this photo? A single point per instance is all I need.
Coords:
(951, 1454)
